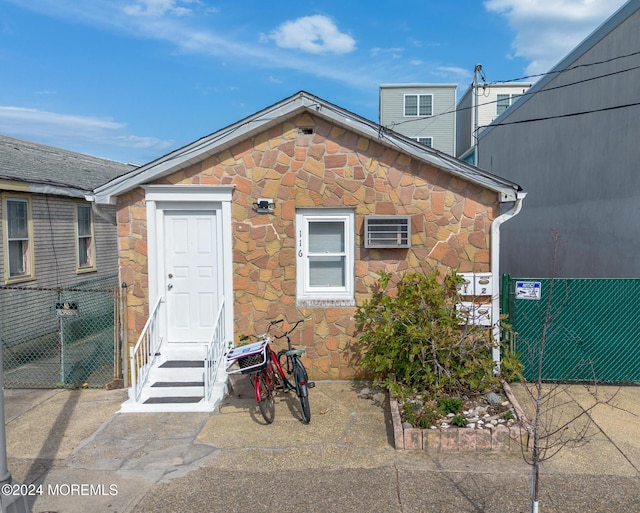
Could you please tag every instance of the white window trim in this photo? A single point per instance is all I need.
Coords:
(91, 266)
(326, 296)
(31, 273)
(417, 114)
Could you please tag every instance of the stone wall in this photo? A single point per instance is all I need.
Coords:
(307, 162)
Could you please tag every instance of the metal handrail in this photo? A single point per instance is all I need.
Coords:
(215, 352)
(144, 352)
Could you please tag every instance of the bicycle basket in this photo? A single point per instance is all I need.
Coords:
(253, 360)
(250, 358)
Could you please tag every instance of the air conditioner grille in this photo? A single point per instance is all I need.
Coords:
(387, 232)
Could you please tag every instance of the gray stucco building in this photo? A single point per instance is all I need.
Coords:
(572, 141)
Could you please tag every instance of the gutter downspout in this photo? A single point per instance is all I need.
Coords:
(495, 269)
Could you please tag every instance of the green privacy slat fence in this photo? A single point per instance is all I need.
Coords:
(590, 328)
(59, 337)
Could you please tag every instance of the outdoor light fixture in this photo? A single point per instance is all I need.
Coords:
(264, 206)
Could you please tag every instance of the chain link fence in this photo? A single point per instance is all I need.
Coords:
(62, 337)
(590, 328)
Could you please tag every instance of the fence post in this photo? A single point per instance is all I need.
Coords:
(124, 343)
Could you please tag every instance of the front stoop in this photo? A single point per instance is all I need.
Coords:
(176, 383)
(500, 438)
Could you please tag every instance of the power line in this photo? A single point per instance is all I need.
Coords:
(558, 72)
(573, 114)
(527, 93)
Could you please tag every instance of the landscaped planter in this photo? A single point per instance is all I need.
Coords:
(498, 438)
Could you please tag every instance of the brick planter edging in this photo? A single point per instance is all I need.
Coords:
(500, 438)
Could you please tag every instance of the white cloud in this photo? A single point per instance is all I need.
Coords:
(22, 122)
(314, 34)
(452, 71)
(547, 30)
(157, 8)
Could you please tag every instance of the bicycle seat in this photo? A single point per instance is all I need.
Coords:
(291, 352)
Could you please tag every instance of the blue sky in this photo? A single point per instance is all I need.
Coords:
(131, 80)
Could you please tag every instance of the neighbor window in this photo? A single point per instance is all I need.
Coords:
(325, 249)
(18, 239)
(85, 243)
(427, 141)
(418, 104)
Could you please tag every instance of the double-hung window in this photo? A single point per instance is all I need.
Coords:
(503, 102)
(85, 247)
(18, 237)
(325, 249)
(418, 105)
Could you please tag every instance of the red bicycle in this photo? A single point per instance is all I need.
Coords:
(270, 371)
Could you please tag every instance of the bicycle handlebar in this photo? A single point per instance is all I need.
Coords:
(286, 333)
(273, 323)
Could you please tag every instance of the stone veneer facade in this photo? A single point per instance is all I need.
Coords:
(329, 167)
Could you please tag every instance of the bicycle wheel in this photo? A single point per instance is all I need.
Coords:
(267, 403)
(300, 374)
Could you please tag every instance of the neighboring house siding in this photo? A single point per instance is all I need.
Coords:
(331, 168)
(55, 243)
(440, 126)
(580, 171)
(54, 240)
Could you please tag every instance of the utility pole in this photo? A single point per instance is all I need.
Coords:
(476, 73)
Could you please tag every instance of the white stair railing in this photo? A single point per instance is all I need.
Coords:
(215, 353)
(144, 353)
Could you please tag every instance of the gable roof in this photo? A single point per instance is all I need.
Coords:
(276, 114)
(48, 170)
(593, 39)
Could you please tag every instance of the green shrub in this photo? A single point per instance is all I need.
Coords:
(420, 416)
(412, 340)
(459, 421)
(448, 405)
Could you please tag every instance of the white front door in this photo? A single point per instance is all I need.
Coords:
(191, 274)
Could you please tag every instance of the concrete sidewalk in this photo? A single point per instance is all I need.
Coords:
(88, 457)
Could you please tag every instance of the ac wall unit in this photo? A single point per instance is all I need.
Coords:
(387, 231)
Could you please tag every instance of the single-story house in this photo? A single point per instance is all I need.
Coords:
(290, 212)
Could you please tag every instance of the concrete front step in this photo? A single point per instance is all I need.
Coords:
(176, 383)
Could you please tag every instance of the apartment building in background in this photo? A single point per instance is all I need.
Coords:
(423, 112)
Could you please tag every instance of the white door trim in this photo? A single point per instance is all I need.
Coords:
(188, 197)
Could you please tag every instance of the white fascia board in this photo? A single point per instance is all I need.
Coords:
(273, 115)
(196, 151)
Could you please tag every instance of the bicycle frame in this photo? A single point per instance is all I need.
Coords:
(268, 370)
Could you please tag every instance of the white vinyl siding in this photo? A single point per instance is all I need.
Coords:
(325, 250)
(439, 125)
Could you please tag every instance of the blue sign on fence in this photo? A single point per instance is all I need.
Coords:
(528, 290)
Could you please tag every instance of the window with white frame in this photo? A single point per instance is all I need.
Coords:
(85, 247)
(18, 236)
(325, 249)
(418, 105)
(504, 101)
(427, 141)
